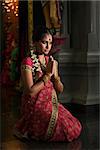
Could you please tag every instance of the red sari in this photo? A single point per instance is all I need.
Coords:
(44, 118)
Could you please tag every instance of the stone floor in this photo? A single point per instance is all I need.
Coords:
(88, 116)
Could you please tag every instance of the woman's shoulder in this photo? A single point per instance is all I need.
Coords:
(27, 61)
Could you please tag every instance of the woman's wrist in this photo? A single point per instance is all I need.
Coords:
(48, 74)
(56, 78)
(46, 78)
(56, 75)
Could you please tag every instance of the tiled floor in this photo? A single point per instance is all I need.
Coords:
(89, 117)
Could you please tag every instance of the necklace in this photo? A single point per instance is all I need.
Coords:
(39, 63)
(36, 65)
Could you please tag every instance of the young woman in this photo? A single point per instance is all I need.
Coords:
(42, 116)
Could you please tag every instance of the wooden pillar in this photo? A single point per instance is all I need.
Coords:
(30, 21)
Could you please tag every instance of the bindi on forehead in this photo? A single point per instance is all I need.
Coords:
(47, 38)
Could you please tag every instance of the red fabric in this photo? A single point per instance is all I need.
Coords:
(27, 61)
(36, 113)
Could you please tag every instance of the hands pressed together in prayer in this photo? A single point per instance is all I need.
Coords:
(52, 67)
(52, 72)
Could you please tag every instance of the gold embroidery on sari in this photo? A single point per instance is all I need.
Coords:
(26, 67)
(54, 116)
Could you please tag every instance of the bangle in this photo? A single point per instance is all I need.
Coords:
(57, 79)
(46, 78)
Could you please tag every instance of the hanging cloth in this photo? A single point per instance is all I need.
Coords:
(51, 10)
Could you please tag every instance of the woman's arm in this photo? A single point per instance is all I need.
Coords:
(56, 78)
(32, 88)
(58, 84)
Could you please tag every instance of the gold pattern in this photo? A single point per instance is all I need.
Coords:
(26, 67)
(54, 116)
(57, 79)
(46, 78)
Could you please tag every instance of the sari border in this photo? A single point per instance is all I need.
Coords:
(54, 116)
(26, 67)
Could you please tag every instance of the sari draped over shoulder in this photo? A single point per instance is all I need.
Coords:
(43, 117)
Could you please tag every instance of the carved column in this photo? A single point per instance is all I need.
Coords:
(93, 54)
(66, 24)
(72, 58)
(93, 36)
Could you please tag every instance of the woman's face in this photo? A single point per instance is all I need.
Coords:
(45, 43)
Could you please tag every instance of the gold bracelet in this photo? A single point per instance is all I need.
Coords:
(57, 79)
(45, 78)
